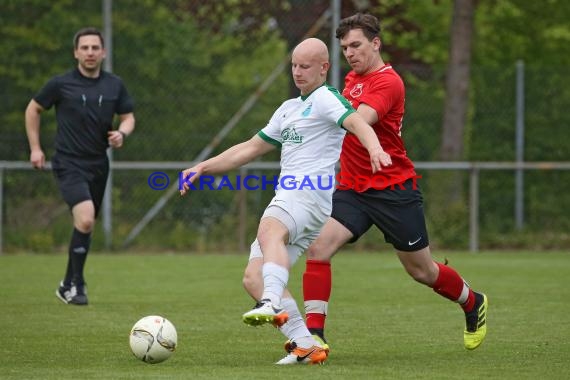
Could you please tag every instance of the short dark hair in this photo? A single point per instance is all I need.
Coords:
(89, 31)
(369, 24)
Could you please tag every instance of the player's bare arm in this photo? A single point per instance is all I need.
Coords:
(369, 114)
(354, 123)
(126, 127)
(229, 159)
(32, 120)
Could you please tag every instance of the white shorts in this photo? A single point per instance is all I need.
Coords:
(303, 212)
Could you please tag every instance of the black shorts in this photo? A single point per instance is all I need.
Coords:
(398, 212)
(81, 179)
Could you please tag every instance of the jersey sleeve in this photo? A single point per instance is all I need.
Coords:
(383, 94)
(49, 94)
(271, 133)
(335, 106)
(125, 103)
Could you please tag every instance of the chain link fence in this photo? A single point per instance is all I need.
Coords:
(201, 76)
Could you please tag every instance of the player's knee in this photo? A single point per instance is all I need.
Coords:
(311, 252)
(84, 216)
(84, 224)
(318, 251)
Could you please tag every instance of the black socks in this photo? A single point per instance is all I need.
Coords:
(78, 249)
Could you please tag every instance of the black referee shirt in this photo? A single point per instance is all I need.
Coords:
(84, 109)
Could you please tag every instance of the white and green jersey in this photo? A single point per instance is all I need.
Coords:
(308, 131)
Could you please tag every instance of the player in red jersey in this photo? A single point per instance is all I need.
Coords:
(389, 199)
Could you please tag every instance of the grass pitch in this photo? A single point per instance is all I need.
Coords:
(382, 325)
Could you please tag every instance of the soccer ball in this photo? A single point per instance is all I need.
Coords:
(153, 339)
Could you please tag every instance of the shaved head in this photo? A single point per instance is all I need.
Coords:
(314, 49)
(310, 64)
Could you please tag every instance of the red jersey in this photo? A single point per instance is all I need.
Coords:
(384, 91)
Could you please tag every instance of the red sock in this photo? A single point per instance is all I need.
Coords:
(451, 286)
(317, 292)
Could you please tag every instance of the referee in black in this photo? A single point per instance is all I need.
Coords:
(86, 101)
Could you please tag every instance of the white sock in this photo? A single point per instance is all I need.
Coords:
(295, 328)
(275, 278)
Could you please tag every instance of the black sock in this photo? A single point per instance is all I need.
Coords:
(68, 271)
(78, 249)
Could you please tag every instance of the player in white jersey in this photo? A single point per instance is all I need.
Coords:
(308, 131)
(302, 127)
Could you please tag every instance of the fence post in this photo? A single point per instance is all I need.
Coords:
(242, 223)
(335, 49)
(474, 209)
(1, 209)
(107, 206)
(519, 145)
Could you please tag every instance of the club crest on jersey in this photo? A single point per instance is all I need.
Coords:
(291, 135)
(356, 90)
(307, 110)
